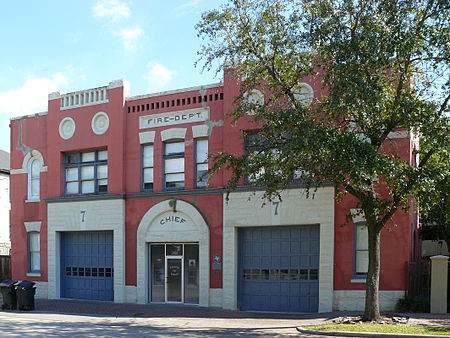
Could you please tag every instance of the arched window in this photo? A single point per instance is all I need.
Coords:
(34, 178)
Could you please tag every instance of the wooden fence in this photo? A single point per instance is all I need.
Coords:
(5, 267)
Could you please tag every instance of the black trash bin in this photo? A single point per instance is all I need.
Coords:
(25, 295)
(8, 289)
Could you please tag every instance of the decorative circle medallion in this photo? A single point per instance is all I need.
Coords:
(254, 97)
(66, 128)
(100, 123)
(304, 93)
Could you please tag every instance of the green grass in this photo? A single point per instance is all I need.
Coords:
(382, 328)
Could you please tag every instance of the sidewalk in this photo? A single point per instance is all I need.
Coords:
(191, 311)
(194, 316)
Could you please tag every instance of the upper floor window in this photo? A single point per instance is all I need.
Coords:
(174, 165)
(147, 167)
(201, 163)
(86, 172)
(361, 250)
(34, 179)
(254, 146)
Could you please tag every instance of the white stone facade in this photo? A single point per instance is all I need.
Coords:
(246, 209)
(97, 215)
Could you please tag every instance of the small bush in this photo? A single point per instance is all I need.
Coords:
(412, 304)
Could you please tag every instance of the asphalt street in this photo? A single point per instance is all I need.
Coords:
(75, 318)
(39, 324)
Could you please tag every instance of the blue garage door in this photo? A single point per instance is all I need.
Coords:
(279, 269)
(87, 265)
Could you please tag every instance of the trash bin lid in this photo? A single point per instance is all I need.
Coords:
(25, 284)
(8, 282)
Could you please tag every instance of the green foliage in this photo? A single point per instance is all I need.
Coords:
(383, 66)
(384, 328)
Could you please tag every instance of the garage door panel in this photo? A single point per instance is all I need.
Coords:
(286, 260)
(305, 261)
(87, 263)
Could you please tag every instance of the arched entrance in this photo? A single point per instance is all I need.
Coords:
(172, 240)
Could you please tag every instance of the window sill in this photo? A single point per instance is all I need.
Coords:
(358, 280)
(33, 274)
(32, 201)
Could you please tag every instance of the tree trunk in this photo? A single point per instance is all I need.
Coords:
(372, 307)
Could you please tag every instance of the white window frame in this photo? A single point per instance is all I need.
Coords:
(147, 166)
(361, 250)
(201, 161)
(81, 168)
(170, 158)
(33, 253)
(34, 179)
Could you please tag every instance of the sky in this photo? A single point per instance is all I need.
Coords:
(71, 45)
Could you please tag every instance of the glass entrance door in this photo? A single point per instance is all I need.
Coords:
(174, 281)
(174, 273)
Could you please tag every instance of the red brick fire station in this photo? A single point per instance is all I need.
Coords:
(110, 200)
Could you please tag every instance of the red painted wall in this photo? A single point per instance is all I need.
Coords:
(124, 164)
(22, 211)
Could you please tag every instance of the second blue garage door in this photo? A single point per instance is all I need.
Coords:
(279, 269)
(87, 270)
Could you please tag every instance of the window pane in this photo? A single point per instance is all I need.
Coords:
(202, 178)
(175, 185)
(174, 165)
(87, 187)
(362, 237)
(362, 261)
(202, 167)
(87, 173)
(175, 177)
(73, 158)
(90, 168)
(103, 185)
(34, 187)
(103, 155)
(147, 156)
(174, 148)
(35, 264)
(34, 241)
(35, 169)
(102, 171)
(202, 151)
(71, 174)
(88, 157)
(72, 188)
(148, 185)
(148, 175)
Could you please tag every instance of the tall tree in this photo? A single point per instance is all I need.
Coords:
(384, 67)
(434, 194)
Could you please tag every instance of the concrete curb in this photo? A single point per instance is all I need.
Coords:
(364, 334)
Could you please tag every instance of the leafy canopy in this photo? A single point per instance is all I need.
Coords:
(383, 66)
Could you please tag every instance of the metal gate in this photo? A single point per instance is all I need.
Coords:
(87, 265)
(279, 269)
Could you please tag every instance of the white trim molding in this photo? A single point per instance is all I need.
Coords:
(245, 209)
(33, 154)
(105, 215)
(159, 225)
(173, 133)
(200, 131)
(33, 226)
(147, 137)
